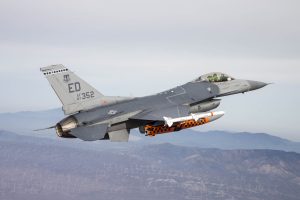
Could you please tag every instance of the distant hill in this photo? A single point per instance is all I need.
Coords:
(228, 140)
(39, 168)
(25, 122)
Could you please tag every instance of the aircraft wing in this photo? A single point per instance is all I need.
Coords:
(159, 114)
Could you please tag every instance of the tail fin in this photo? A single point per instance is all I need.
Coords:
(74, 93)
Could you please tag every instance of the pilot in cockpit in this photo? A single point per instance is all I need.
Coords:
(215, 77)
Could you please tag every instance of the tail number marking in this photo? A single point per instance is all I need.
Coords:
(85, 95)
(74, 87)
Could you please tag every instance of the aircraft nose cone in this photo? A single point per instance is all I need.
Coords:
(254, 85)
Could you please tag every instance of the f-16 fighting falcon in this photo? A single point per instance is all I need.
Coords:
(94, 116)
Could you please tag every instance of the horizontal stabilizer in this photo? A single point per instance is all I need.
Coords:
(43, 129)
(90, 133)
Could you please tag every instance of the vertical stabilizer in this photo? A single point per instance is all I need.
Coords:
(74, 93)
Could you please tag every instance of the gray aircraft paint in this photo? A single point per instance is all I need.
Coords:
(74, 93)
(95, 116)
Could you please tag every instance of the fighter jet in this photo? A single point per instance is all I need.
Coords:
(93, 116)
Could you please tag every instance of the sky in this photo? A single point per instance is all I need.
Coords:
(136, 47)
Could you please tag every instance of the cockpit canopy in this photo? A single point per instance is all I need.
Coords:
(215, 77)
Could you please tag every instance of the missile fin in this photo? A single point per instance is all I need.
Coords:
(195, 117)
(168, 121)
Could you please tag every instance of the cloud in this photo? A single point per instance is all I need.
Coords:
(141, 47)
(224, 28)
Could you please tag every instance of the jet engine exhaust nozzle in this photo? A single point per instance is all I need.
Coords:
(63, 127)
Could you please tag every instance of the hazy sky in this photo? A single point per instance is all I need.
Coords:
(138, 47)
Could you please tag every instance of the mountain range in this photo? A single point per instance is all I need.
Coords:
(26, 122)
(42, 168)
(186, 165)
